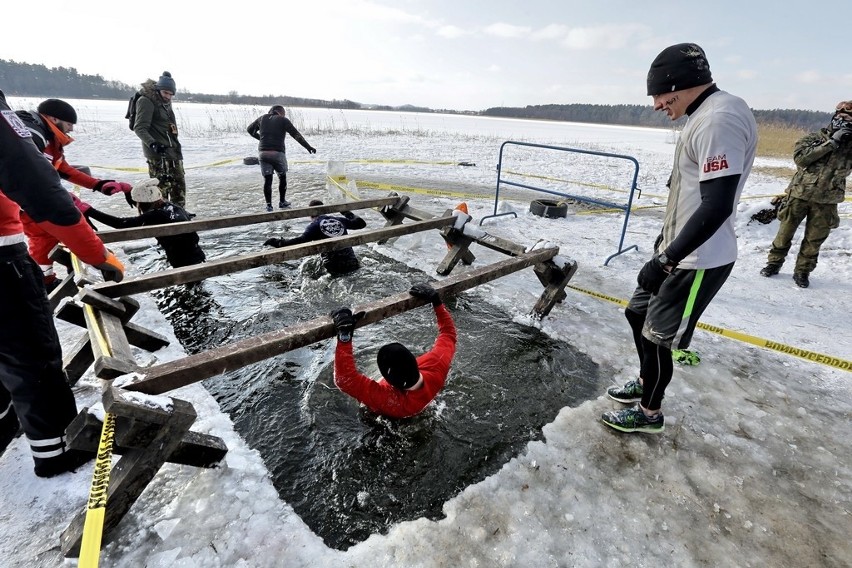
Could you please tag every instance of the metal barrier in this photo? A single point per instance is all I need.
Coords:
(624, 207)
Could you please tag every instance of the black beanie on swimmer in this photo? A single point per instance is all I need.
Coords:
(276, 108)
(58, 109)
(678, 67)
(166, 83)
(398, 365)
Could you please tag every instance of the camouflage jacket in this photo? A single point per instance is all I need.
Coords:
(155, 122)
(821, 169)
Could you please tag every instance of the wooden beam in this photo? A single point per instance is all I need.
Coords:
(77, 360)
(136, 334)
(197, 272)
(194, 368)
(212, 223)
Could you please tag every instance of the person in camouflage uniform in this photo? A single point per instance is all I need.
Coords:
(157, 128)
(824, 161)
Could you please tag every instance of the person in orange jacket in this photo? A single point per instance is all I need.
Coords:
(408, 383)
(34, 395)
(50, 126)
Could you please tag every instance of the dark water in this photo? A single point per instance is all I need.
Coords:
(345, 471)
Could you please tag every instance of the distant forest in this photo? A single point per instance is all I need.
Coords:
(33, 80)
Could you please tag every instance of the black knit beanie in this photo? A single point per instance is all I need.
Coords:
(398, 365)
(166, 83)
(678, 67)
(276, 108)
(58, 109)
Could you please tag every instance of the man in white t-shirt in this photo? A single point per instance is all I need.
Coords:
(695, 252)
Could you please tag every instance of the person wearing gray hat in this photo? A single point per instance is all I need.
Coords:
(156, 126)
(696, 250)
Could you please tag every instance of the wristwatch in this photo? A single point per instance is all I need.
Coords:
(667, 264)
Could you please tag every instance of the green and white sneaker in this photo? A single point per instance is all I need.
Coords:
(628, 394)
(634, 420)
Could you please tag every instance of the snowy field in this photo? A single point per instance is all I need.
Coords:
(753, 469)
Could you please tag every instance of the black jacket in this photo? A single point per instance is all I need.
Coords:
(181, 250)
(324, 227)
(270, 130)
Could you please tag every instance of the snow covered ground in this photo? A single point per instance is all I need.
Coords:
(754, 466)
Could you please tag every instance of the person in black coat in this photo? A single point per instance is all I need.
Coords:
(270, 130)
(181, 250)
(336, 262)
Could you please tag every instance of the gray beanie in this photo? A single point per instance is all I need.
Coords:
(166, 83)
(678, 67)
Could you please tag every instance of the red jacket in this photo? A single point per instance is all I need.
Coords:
(383, 398)
(28, 182)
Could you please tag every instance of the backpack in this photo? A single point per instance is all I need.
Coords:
(131, 110)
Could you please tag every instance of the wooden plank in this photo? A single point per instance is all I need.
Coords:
(135, 233)
(555, 278)
(132, 474)
(66, 289)
(136, 334)
(195, 449)
(194, 368)
(77, 360)
(197, 272)
(102, 303)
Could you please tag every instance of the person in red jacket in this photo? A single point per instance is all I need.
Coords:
(408, 383)
(34, 394)
(50, 126)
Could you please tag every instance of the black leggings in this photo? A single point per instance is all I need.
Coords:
(655, 363)
(282, 187)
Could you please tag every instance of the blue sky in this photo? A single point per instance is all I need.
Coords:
(443, 53)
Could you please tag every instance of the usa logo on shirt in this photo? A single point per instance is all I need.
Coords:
(716, 164)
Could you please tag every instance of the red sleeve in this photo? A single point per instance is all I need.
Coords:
(75, 176)
(378, 396)
(79, 238)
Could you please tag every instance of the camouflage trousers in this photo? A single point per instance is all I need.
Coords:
(172, 180)
(820, 219)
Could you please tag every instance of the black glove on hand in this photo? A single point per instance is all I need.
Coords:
(426, 292)
(344, 323)
(348, 214)
(158, 148)
(652, 275)
(842, 134)
(273, 242)
(312, 150)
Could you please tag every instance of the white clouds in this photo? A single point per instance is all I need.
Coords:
(552, 31)
(808, 77)
(613, 36)
(504, 30)
(451, 32)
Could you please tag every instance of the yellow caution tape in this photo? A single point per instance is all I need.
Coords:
(93, 526)
(424, 191)
(805, 354)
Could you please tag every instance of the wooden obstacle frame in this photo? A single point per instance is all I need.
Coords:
(146, 437)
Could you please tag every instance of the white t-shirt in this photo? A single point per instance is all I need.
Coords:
(719, 139)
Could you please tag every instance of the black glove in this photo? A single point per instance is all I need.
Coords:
(652, 275)
(312, 150)
(344, 323)
(426, 292)
(273, 242)
(842, 134)
(348, 214)
(157, 148)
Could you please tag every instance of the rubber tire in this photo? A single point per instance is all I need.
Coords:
(251, 160)
(548, 208)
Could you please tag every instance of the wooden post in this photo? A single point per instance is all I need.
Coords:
(136, 334)
(212, 223)
(554, 278)
(197, 272)
(194, 368)
(137, 467)
(78, 360)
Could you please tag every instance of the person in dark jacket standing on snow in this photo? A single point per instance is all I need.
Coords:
(270, 130)
(34, 393)
(50, 126)
(336, 262)
(156, 126)
(408, 383)
(181, 250)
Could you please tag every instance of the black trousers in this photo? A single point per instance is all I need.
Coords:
(31, 374)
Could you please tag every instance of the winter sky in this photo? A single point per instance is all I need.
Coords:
(443, 53)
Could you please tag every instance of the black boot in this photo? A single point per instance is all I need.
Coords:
(770, 270)
(801, 279)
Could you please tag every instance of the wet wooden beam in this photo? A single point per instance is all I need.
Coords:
(194, 368)
(136, 334)
(230, 221)
(197, 272)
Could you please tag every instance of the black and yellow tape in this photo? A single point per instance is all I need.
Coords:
(805, 354)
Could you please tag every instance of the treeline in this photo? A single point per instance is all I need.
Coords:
(32, 80)
(644, 115)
